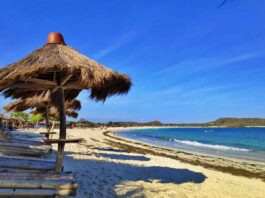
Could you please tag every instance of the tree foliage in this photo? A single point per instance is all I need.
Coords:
(21, 114)
(36, 118)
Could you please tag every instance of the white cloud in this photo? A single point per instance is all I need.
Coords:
(196, 65)
(116, 44)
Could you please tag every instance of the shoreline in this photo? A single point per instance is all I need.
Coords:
(224, 156)
(108, 166)
(238, 167)
(193, 152)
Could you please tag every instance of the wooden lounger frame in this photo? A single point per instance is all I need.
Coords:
(8, 148)
(26, 193)
(47, 134)
(11, 138)
(10, 163)
(36, 184)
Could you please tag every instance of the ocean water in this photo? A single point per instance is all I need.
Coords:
(239, 143)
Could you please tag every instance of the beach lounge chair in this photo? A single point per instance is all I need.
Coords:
(27, 141)
(7, 148)
(13, 147)
(8, 163)
(22, 137)
(37, 184)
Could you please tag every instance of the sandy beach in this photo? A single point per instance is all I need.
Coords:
(110, 166)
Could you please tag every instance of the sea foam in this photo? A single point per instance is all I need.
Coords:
(209, 146)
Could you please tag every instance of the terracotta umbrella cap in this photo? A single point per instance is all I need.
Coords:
(55, 38)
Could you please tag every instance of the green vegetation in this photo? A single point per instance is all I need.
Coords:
(238, 122)
(131, 124)
(35, 118)
(21, 114)
(229, 122)
(222, 122)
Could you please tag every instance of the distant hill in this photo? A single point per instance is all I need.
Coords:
(117, 124)
(86, 123)
(221, 122)
(237, 122)
(229, 122)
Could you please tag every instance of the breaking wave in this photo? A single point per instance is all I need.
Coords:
(209, 146)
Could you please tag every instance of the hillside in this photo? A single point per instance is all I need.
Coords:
(222, 122)
(238, 122)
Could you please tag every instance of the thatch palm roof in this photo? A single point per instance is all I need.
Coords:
(73, 104)
(53, 111)
(40, 95)
(59, 62)
(39, 102)
(4, 117)
(19, 118)
(71, 113)
(41, 106)
(70, 109)
(24, 104)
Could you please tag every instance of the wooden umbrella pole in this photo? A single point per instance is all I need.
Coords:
(59, 160)
(52, 127)
(47, 122)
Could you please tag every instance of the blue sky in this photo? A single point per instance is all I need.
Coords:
(188, 60)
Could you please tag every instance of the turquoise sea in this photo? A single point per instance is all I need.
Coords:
(240, 143)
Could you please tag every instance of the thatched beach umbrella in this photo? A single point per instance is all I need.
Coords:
(25, 104)
(56, 67)
(70, 110)
(54, 112)
(42, 106)
(30, 103)
(4, 119)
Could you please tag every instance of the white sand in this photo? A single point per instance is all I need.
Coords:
(103, 171)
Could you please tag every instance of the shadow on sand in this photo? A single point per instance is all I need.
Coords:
(101, 176)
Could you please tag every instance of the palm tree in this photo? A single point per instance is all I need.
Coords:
(36, 118)
(21, 114)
